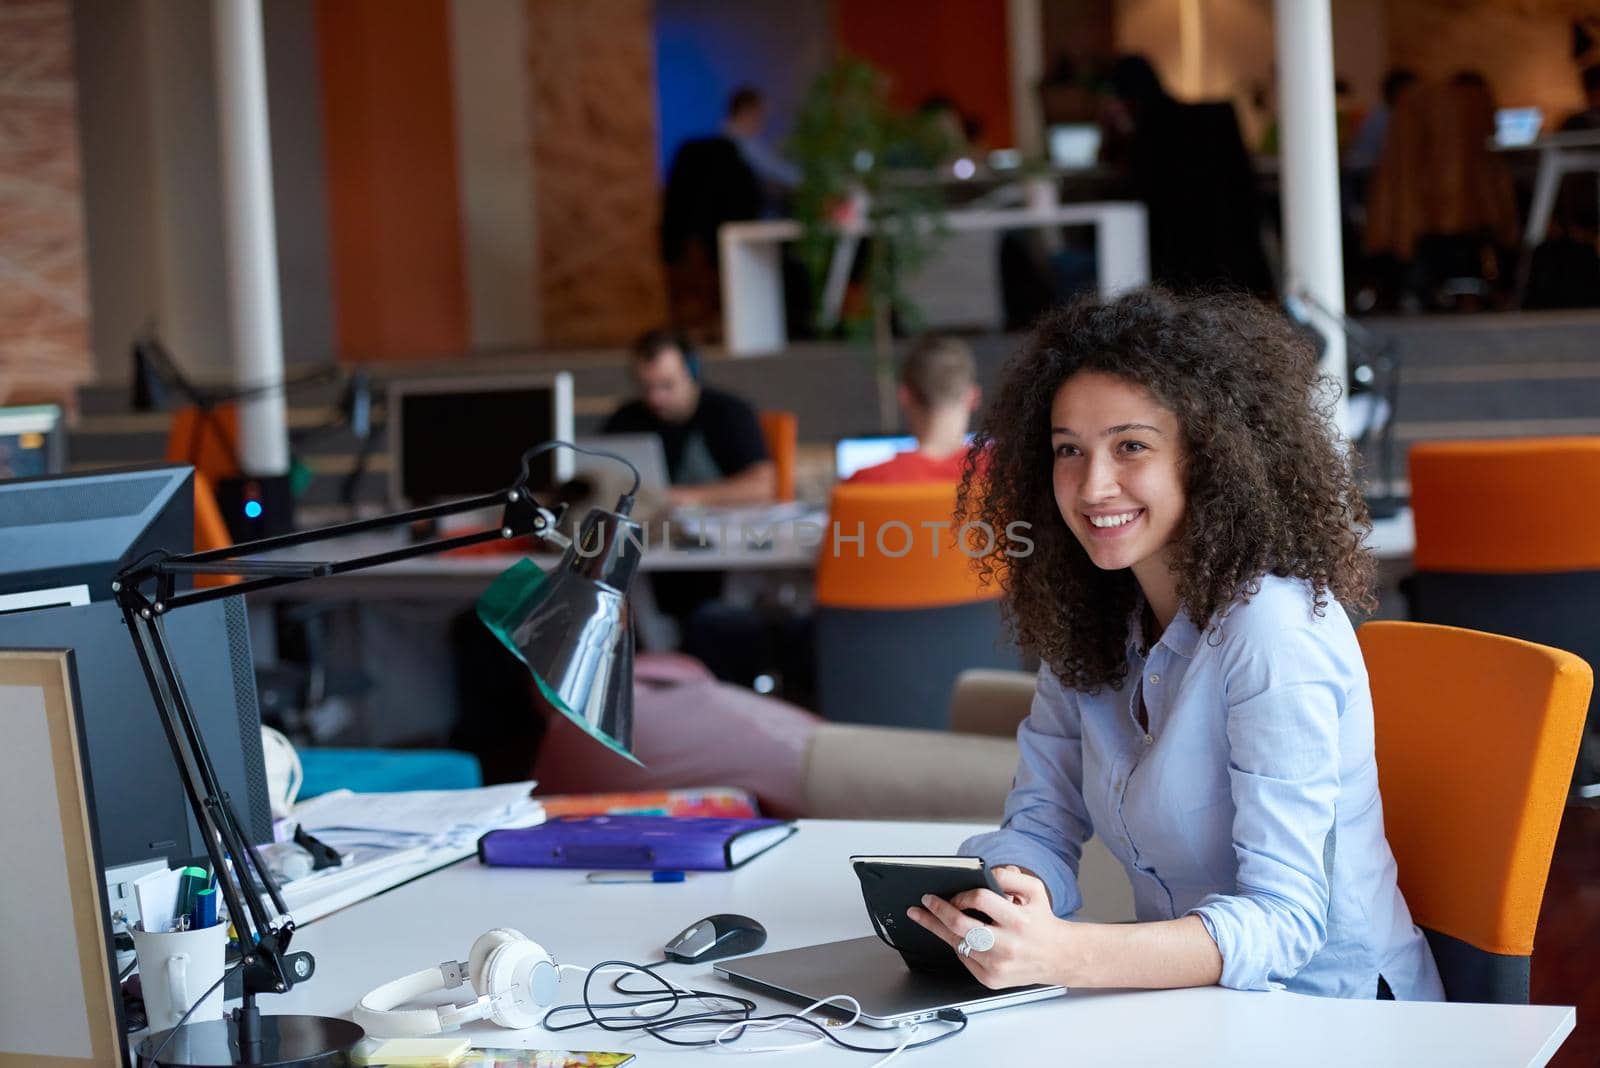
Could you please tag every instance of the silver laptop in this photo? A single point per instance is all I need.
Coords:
(890, 994)
(644, 451)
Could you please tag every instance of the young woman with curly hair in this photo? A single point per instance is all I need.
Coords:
(1202, 705)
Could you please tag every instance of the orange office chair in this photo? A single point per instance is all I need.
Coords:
(210, 530)
(900, 612)
(206, 440)
(1476, 735)
(1508, 541)
(781, 430)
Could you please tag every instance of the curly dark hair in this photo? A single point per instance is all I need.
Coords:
(1270, 488)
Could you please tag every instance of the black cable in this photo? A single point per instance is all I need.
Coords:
(741, 1011)
(540, 450)
(616, 984)
(155, 1058)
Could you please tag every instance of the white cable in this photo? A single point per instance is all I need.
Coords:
(731, 1032)
(901, 1048)
(723, 1040)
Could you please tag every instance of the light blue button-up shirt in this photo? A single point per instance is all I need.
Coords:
(1251, 801)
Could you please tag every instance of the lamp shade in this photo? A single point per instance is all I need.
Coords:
(573, 627)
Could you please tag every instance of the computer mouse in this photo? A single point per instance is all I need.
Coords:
(726, 934)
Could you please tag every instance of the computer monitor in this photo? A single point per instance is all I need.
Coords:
(32, 441)
(63, 538)
(1074, 145)
(461, 437)
(1514, 127)
(61, 542)
(140, 808)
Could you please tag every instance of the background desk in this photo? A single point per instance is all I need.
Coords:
(753, 318)
(804, 892)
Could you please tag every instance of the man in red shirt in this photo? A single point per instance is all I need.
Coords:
(938, 394)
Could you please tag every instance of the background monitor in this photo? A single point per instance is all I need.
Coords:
(33, 441)
(460, 437)
(140, 807)
(852, 454)
(63, 538)
(1517, 126)
(1074, 145)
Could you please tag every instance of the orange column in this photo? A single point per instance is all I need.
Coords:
(953, 48)
(393, 193)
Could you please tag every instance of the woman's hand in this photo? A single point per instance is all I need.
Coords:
(1030, 944)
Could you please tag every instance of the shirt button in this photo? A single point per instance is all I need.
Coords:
(1155, 680)
(1149, 739)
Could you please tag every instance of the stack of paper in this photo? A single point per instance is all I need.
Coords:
(387, 839)
(346, 820)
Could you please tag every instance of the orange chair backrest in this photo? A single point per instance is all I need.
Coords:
(210, 529)
(1476, 738)
(781, 430)
(895, 547)
(1512, 506)
(208, 442)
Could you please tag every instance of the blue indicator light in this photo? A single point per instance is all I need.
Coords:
(252, 509)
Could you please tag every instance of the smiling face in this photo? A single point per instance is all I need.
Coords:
(1118, 473)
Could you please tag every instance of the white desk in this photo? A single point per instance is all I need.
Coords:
(1394, 538)
(804, 892)
(753, 317)
(1560, 154)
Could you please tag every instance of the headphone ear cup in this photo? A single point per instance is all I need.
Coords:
(486, 944)
(520, 979)
(691, 355)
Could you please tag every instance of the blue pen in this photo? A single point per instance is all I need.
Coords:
(637, 877)
(204, 913)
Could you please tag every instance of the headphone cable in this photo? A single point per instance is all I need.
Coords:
(737, 1017)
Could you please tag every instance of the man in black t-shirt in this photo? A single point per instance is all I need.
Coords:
(715, 452)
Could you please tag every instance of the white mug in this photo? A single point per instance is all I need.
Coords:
(175, 968)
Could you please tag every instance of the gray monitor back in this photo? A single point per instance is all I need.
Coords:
(140, 805)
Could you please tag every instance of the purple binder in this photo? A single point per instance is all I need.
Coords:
(640, 843)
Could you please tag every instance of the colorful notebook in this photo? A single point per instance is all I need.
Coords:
(640, 843)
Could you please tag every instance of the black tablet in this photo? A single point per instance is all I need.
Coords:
(891, 885)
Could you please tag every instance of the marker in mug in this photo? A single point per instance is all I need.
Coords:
(637, 877)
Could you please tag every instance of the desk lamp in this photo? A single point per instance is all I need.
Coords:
(571, 627)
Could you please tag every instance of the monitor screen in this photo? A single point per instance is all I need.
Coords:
(465, 437)
(852, 454)
(63, 538)
(1517, 126)
(1074, 145)
(32, 442)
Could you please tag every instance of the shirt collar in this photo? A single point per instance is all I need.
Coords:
(1181, 635)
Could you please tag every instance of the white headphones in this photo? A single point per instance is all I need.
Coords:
(513, 976)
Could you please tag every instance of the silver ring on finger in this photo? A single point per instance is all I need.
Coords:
(976, 940)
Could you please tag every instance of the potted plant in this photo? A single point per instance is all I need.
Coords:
(857, 156)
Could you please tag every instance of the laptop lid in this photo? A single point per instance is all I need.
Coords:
(644, 451)
(852, 454)
(890, 994)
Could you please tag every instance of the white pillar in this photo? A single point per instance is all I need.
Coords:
(249, 232)
(1309, 171)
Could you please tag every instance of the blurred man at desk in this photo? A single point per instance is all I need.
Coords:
(715, 452)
